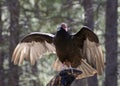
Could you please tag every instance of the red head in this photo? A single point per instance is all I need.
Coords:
(64, 26)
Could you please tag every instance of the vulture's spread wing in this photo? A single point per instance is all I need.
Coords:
(90, 49)
(32, 47)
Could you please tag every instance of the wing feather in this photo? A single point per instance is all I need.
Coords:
(32, 55)
(23, 54)
(17, 54)
(88, 43)
(32, 47)
(93, 53)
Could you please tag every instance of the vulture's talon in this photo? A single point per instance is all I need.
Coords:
(67, 65)
(71, 69)
(64, 66)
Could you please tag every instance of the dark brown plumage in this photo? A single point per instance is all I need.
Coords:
(81, 50)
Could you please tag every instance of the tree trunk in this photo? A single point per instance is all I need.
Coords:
(89, 14)
(1, 51)
(111, 43)
(13, 6)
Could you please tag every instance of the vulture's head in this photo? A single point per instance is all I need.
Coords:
(63, 26)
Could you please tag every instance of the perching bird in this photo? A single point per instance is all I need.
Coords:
(81, 50)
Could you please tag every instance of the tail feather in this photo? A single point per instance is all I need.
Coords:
(86, 69)
(57, 65)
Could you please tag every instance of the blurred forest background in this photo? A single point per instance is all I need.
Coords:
(20, 17)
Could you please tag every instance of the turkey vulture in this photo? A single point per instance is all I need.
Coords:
(80, 50)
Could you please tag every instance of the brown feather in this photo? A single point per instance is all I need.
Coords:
(57, 65)
(93, 53)
(17, 54)
(82, 50)
(15, 51)
(31, 51)
(86, 69)
(22, 56)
